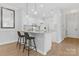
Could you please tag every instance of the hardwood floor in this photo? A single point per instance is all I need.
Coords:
(69, 47)
(13, 50)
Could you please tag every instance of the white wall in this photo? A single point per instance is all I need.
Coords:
(59, 22)
(10, 35)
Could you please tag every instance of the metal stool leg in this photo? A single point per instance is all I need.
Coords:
(17, 42)
(35, 44)
(28, 46)
(23, 39)
(20, 43)
(25, 44)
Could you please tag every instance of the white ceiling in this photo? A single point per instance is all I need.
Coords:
(46, 9)
(65, 6)
(54, 5)
(60, 5)
(13, 5)
(41, 9)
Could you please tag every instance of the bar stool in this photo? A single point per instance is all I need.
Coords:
(20, 39)
(29, 40)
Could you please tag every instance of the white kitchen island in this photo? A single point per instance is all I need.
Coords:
(43, 40)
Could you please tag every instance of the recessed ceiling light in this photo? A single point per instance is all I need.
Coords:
(35, 12)
(32, 9)
(74, 11)
(41, 5)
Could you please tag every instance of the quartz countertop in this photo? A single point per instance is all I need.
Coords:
(34, 31)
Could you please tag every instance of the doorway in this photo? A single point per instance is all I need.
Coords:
(72, 25)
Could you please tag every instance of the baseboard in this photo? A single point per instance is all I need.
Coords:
(58, 41)
(73, 36)
(3, 43)
(41, 52)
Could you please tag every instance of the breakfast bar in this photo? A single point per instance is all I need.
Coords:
(42, 39)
